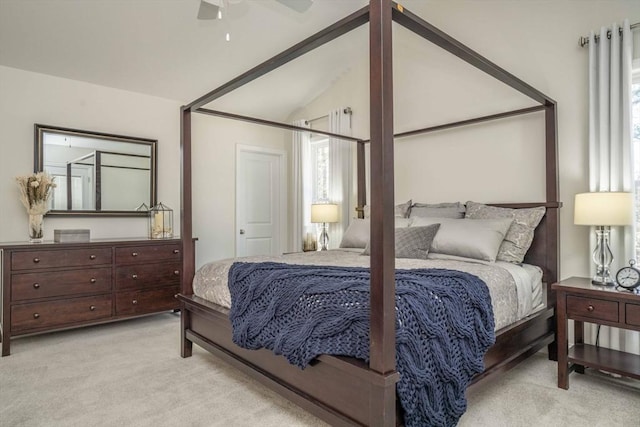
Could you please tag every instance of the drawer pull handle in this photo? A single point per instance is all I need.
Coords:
(134, 253)
(134, 276)
(36, 260)
(36, 316)
(92, 308)
(92, 257)
(134, 302)
(36, 285)
(176, 272)
(176, 251)
(93, 280)
(590, 308)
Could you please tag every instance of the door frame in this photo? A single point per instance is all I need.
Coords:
(282, 154)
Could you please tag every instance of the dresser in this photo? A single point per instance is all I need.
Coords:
(51, 286)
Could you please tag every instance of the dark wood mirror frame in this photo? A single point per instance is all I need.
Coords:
(39, 161)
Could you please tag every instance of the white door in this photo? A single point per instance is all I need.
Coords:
(260, 201)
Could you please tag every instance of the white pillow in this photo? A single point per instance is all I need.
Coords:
(470, 238)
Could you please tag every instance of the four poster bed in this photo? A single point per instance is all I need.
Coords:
(345, 390)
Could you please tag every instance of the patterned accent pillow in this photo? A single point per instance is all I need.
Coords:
(401, 210)
(519, 236)
(437, 210)
(412, 242)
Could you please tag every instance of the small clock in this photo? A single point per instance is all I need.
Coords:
(628, 277)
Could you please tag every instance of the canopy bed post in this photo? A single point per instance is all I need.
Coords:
(186, 227)
(553, 215)
(382, 321)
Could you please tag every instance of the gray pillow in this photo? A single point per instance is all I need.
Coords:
(437, 210)
(401, 210)
(470, 238)
(357, 234)
(519, 236)
(412, 242)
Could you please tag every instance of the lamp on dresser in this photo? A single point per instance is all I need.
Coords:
(603, 210)
(324, 213)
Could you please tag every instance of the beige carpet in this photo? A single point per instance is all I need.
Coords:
(130, 374)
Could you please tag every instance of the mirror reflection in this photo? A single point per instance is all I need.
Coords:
(97, 173)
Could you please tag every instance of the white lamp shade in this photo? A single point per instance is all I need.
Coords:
(325, 212)
(603, 208)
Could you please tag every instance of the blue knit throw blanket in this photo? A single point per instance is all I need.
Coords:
(444, 325)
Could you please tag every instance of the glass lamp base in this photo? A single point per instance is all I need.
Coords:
(603, 281)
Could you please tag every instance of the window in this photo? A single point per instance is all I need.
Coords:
(319, 157)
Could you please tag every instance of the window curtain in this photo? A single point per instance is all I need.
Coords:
(340, 172)
(610, 151)
(301, 179)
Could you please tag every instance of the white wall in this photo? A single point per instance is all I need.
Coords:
(214, 142)
(27, 98)
(493, 162)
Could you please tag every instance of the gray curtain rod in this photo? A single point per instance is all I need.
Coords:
(345, 111)
(585, 40)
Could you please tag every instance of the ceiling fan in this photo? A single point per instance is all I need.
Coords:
(212, 9)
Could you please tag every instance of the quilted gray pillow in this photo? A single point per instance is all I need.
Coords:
(519, 236)
(412, 242)
(437, 210)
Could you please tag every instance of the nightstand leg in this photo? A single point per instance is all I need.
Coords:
(578, 333)
(563, 346)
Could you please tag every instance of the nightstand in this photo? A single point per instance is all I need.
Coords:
(581, 301)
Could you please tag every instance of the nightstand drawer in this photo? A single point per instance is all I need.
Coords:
(592, 308)
(141, 254)
(60, 258)
(148, 275)
(147, 301)
(60, 313)
(632, 314)
(53, 284)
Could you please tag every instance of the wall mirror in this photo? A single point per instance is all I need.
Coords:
(97, 173)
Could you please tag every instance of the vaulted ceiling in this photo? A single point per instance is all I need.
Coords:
(160, 48)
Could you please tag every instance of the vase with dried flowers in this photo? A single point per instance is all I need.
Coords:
(35, 190)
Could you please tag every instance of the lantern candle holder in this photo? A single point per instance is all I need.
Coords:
(161, 222)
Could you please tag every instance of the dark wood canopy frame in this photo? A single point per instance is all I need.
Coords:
(341, 390)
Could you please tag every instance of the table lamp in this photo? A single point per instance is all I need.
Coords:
(324, 213)
(603, 210)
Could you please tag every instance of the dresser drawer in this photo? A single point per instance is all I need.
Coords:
(147, 301)
(149, 253)
(60, 283)
(592, 308)
(59, 313)
(60, 258)
(632, 314)
(148, 275)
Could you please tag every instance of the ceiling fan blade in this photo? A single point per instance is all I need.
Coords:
(209, 9)
(297, 5)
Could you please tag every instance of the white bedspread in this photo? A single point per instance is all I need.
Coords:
(515, 290)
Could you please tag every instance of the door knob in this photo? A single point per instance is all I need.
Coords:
(241, 231)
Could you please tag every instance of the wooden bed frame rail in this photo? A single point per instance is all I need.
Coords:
(346, 391)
